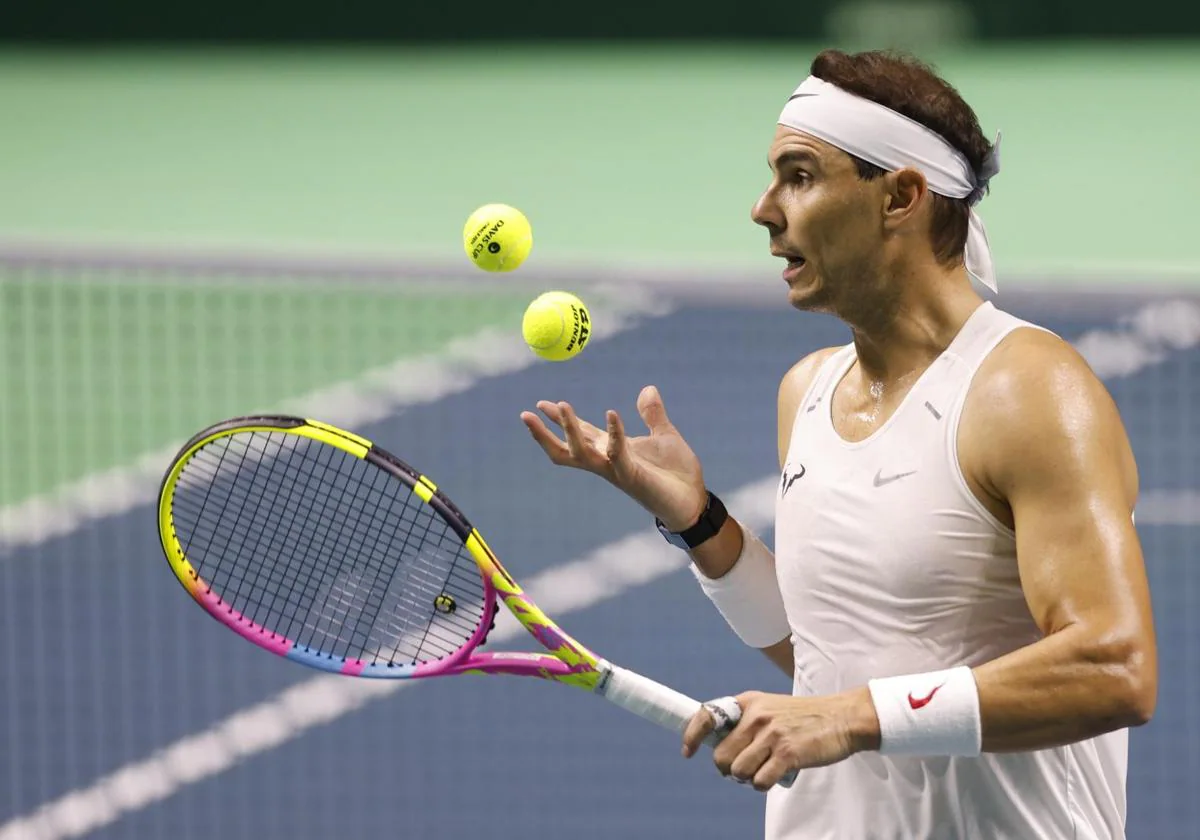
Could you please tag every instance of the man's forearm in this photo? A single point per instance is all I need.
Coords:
(717, 555)
(1064, 688)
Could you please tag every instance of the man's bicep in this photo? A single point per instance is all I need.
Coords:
(1063, 464)
(1078, 553)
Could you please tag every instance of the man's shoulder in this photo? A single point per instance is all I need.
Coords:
(1032, 367)
(800, 376)
(1034, 405)
(792, 389)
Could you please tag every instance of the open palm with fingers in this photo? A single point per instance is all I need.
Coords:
(657, 470)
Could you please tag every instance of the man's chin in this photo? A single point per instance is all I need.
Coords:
(808, 297)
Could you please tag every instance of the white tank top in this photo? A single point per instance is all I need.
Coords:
(889, 565)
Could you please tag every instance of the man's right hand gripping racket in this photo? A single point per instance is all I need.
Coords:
(319, 546)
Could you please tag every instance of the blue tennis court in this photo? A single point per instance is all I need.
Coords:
(110, 664)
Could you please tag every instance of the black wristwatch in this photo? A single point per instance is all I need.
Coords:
(706, 526)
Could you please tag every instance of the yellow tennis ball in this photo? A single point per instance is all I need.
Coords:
(557, 326)
(497, 237)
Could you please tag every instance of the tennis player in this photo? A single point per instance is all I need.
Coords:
(957, 589)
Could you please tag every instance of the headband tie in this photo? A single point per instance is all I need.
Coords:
(892, 141)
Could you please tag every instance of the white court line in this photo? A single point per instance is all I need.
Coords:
(598, 576)
(1143, 339)
(1169, 507)
(1146, 337)
(373, 396)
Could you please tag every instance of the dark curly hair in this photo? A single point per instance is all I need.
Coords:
(911, 87)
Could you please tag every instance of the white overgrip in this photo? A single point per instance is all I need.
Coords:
(664, 706)
(647, 698)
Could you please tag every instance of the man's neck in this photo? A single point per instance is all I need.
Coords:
(916, 327)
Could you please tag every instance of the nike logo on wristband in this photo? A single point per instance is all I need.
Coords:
(918, 703)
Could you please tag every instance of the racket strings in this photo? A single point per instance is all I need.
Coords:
(238, 538)
(326, 550)
(270, 527)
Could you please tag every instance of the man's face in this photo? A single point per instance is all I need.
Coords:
(825, 219)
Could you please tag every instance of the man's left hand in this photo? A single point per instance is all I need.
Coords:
(780, 732)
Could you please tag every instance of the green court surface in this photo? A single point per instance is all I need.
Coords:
(654, 152)
(99, 372)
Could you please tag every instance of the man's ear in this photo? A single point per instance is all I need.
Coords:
(905, 189)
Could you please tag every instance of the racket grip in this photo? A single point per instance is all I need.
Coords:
(664, 706)
(648, 699)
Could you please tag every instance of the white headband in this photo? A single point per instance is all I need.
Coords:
(892, 141)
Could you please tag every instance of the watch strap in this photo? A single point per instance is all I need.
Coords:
(710, 522)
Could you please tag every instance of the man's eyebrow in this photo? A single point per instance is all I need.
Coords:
(792, 157)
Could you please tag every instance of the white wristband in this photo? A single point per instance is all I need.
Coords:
(747, 596)
(928, 714)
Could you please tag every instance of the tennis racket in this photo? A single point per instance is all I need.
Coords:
(321, 547)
